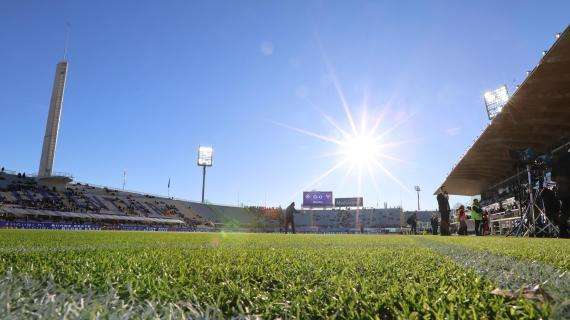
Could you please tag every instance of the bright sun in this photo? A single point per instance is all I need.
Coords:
(359, 150)
(362, 146)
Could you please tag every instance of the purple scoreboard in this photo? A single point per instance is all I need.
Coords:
(317, 199)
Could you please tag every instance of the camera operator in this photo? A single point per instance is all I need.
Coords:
(443, 204)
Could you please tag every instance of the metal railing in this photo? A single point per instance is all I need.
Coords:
(35, 175)
(31, 175)
(62, 174)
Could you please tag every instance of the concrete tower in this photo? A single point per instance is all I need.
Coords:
(52, 125)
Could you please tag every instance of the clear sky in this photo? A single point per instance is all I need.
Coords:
(149, 81)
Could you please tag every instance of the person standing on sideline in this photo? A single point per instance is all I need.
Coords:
(485, 229)
(413, 222)
(290, 217)
(434, 223)
(443, 204)
(462, 217)
(477, 216)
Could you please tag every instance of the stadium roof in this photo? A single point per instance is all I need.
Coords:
(537, 115)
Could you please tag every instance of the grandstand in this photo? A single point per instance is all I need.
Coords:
(341, 220)
(536, 117)
(24, 200)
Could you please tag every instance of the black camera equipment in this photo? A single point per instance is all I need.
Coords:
(523, 156)
(528, 193)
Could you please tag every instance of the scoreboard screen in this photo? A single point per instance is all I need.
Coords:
(317, 199)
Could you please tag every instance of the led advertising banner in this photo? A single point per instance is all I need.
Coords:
(317, 199)
(349, 202)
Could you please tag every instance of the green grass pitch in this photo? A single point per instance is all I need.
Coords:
(51, 274)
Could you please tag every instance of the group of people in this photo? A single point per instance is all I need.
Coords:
(480, 217)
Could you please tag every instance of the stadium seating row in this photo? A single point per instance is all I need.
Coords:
(22, 197)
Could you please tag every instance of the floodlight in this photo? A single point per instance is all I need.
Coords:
(205, 156)
(558, 35)
(495, 101)
(417, 188)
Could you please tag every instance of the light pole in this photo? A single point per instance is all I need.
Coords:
(203, 181)
(417, 188)
(205, 159)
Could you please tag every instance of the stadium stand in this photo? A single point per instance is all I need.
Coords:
(22, 198)
(24, 201)
(341, 220)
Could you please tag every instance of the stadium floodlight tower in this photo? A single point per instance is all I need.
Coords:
(52, 124)
(417, 188)
(205, 159)
(495, 100)
(45, 174)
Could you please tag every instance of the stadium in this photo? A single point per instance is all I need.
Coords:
(31, 205)
(77, 250)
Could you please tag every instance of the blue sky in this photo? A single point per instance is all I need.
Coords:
(149, 81)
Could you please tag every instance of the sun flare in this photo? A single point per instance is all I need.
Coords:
(362, 146)
(359, 150)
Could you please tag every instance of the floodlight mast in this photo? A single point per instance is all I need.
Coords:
(203, 181)
(417, 188)
(205, 157)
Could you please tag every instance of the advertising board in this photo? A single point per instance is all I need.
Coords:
(349, 202)
(317, 199)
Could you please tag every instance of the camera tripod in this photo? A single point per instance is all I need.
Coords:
(533, 221)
